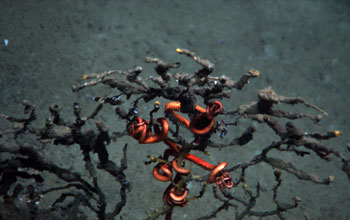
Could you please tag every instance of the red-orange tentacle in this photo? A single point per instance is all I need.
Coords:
(178, 198)
(176, 106)
(200, 109)
(216, 170)
(214, 108)
(138, 130)
(172, 197)
(160, 134)
(167, 174)
(224, 181)
(197, 124)
(172, 106)
(204, 121)
(179, 169)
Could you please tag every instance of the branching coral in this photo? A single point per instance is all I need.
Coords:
(21, 159)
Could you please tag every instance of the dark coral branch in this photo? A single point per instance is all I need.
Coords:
(182, 89)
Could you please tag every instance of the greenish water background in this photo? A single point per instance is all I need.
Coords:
(301, 48)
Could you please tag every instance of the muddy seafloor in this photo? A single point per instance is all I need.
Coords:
(301, 48)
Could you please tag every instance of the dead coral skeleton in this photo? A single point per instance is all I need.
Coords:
(26, 160)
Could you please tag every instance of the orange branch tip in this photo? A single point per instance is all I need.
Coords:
(179, 50)
(254, 72)
(337, 133)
